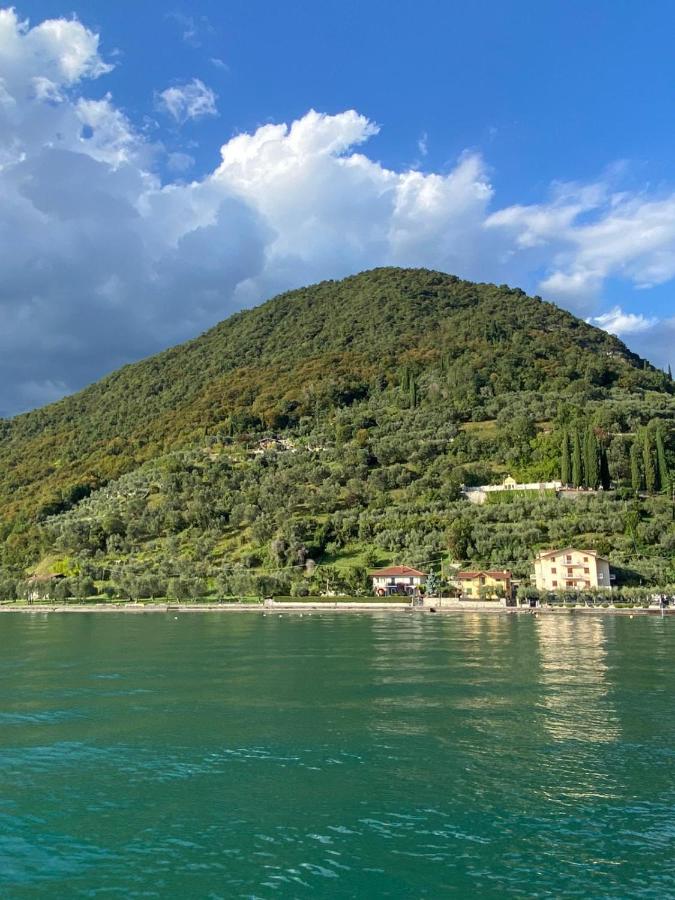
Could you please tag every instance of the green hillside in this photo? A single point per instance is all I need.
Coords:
(386, 391)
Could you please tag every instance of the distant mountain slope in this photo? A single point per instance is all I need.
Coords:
(390, 339)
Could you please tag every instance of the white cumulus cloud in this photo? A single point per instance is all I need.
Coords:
(618, 322)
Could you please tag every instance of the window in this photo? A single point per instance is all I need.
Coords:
(585, 559)
(555, 584)
(570, 572)
(586, 570)
(569, 584)
(554, 571)
(468, 591)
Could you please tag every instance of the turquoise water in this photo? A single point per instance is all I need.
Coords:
(404, 756)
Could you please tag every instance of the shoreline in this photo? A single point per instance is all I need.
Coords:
(337, 607)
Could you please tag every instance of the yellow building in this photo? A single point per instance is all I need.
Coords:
(571, 570)
(489, 585)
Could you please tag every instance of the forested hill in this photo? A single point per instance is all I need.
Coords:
(439, 368)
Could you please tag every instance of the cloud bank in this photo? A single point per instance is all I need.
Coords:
(103, 262)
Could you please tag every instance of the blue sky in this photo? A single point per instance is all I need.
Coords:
(546, 90)
(530, 143)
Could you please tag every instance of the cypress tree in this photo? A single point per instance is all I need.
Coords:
(648, 463)
(577, 467)
(605, 477)
(565, 462)
(662, 463)
(407, 387)
(635, 471)
(413, 392)
(591, 459)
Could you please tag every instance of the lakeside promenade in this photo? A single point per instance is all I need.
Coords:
(447, 607)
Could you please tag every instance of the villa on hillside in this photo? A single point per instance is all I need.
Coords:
(480, 493)
(570, 569)
(484, 585)
(397, 580)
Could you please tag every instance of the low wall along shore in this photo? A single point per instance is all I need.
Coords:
(341, 606)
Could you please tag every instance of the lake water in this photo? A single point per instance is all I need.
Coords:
(404, 756)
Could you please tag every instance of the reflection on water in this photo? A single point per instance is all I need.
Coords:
(573, 674)
(341, 756)
(400, 670)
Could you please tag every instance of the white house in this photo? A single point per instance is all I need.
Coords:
(397, 580)
(570, 569)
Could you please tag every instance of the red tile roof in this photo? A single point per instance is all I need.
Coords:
(393, 571)
(469, 576)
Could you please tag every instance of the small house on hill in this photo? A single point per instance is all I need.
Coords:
(487, 585)
(274, 444)
(397, 580)
(480, 494)
(40, 586)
